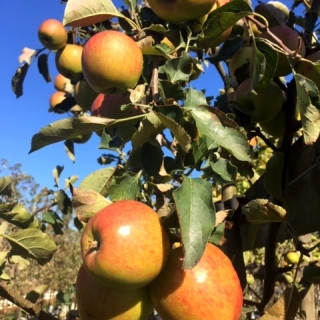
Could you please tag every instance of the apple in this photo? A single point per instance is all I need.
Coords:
(241, 62)
(307, 69)
(68, 61)
(84, 94)
(52, 34)
(291, 39)
(60, 102)
(261, 104)
(209, 291)
(292, 257)
(61, 83)
(124, 245)
(213, 42)
(96, 301)
(111, 59)
(276, 126)
(177, 11)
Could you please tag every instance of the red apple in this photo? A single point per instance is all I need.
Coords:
(111, 59)
(209, 291)
(52, 34)
(124, 245)
(95, 301)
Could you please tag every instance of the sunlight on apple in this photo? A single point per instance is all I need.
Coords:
(200, 275)
(124, 230)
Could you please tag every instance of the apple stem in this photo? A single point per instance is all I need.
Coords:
(93, 245)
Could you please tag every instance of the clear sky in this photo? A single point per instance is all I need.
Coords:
(21, 118)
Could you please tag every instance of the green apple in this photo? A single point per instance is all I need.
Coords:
(96, 301)
(68, 61)
(52, 34)
(209, 291)
(276, 126)
(180, 10)
(124, 245)
(111, 59)
(84, 94)
(261, 104)
(241, 62)
(291, 39)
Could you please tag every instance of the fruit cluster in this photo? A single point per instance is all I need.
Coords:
(129, 269)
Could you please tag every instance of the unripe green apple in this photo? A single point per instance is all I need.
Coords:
(262, 104)
(250, 279)
(308, 70)
(61, 83)
(177, 11)
(111, 59)
(68, 61)
(124, 245)
(241, 62)
(96, 301)
(52, 34)
(84, 94)
(291, 39)
(209, 291)
(276, 126)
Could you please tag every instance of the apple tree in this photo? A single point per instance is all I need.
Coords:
(238, 171)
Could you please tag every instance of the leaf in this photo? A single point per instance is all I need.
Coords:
(65, 129)
(149, 127)
(262, 211)
(217, 237)
(225, 169)
(98, 181)
(178, 131)
(195, 98)
(69, 181)
(69, 147)
(86, 203)
(214, 124)
(36, 293)
(125, 187)
(27, 55)
(224, 17)
(308, 105)
(49, 217)
(152, 158)
(196, 214)
(17, 80)
(18, 216)
(31, 243)
(63, 202)
(311, 273)
(169, 90)
(43, 67)
(286, 307)
(88, 12)
(6, 186)
(56, 172)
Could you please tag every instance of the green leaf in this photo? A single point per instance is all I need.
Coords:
(195, 98)
(49, 217)
(178, 131)
(225, 169)
(125, 187)
(36, 293)
(56, 172)
(98, 181)
(69, 147)
(214, 124)
(308, 105)
(169, 90)
(196, 214)
(217, 236)
(31, 243)
(65, 129)
(88, 12)
(63, 201)
(262, 211)
(18, 216)
(6, 186)
(312, 274)
(70, 181)
(224, 17)
(87, 203)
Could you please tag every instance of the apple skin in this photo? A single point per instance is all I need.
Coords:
(98, 302)
(56, 99)
(290, 38)
(241, 59)
(61, 83)
(209, 291)
(292, 257)
(308, 70)
(177, 11)
(124, 245)
(84, 94)
(262, 105)
(111, 59)
(68, 62)
(52, 34)
(276, 126)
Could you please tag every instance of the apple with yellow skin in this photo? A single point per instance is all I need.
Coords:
(209, 291)
(261, 104)
(96, 301)
(84, 94)
(61, 83)
(68, 61)
(177, 11)
(52, 34)
(111, 59)
(124, 245)
(242, 60)
(292, 257)
(291, 39)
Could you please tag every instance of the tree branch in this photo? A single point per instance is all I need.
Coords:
(24, 304)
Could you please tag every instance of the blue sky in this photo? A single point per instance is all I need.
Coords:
(25, 116)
